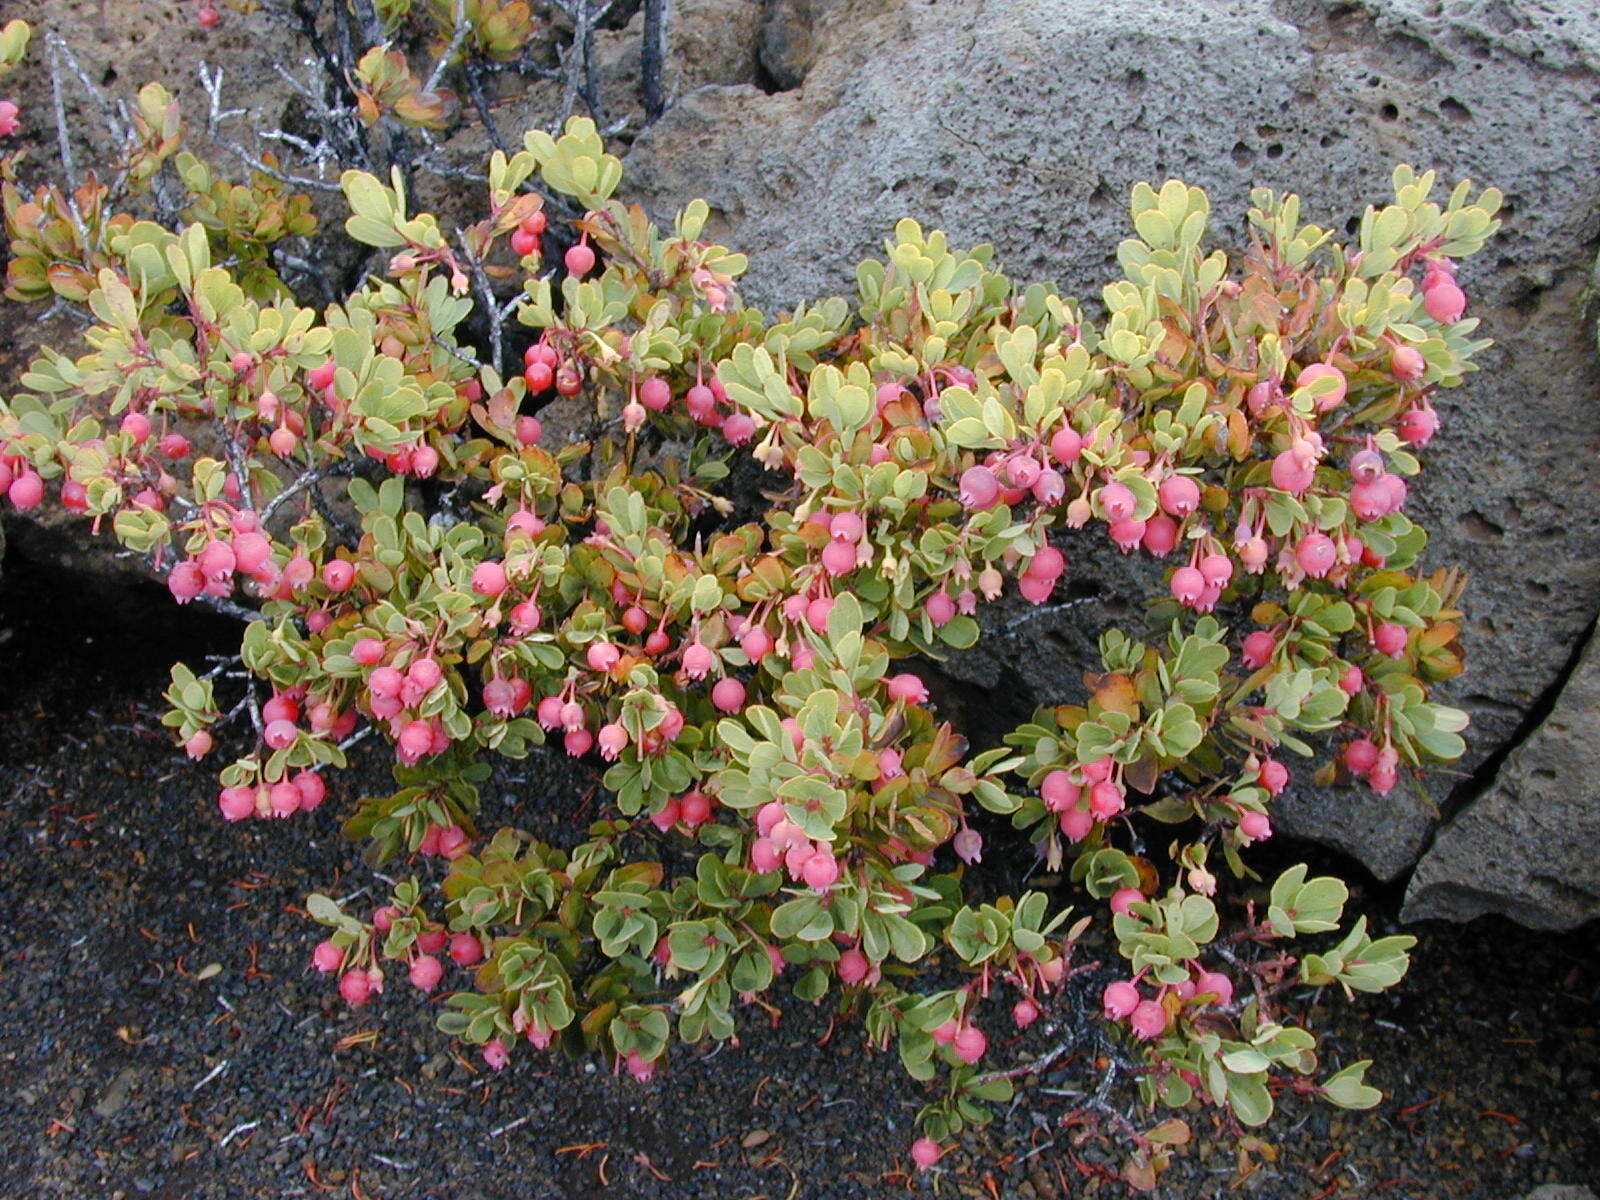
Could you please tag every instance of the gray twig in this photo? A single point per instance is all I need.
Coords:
(654, 57)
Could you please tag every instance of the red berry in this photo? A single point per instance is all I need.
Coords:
(465, 950)
(579, 260)
(1258, 649)
(1390, 638)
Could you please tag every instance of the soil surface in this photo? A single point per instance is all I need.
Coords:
(160, 1034)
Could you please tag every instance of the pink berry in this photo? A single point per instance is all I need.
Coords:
(495, 1055)
(1048, 564)
(970, 1044)
(602, 656)
(1261, 395)
(368, 651)
(1316, 554)
(612, 741)
(764, 856)
(908, 688)
(694, 809)
(1160, 535)
(1255, 826)
(237, 803)
(1050, 488)
(338, 575)
(853, 966)
(415, 740)
(327, 958)
(1179, 495)
(1022, 470)
(1148, 1020)
(847, 526)
(489, 579)
(426, 972)
(1024, 1013)
(1292, 473)
(355, 987)
(1216, 570)
(311, 788)
(1274, 776)
(579, 260)
(1215, 983)
(1124, 899)
(925, 1152)
(1066, 445)
(8, 118)
(1445, 301)
(698, 659)
(1119, 999)
(979, 488)
(1316, 371)
(185, 581)
(279, 734)
(821, 871)
(1352, 681)
(1360, 755)
(1117, 502)
(941, 609)
(1258, 649)
(839, 558)
(137, 426)
(738, 429)
(1407, 363)
(1390, 638)
(728, 695)
(465, 950)
(524, 243)
(1418, 425)
(1075, 824)
(1187, 585)
(1106, 800)
(1059, 791)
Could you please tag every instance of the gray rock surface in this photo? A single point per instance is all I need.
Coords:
(1026, 125)
(791, 35)
(1561, 1191)
(1527, 846)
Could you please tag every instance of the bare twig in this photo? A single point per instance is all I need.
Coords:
(310, 477)
(458, 36)
(480, 285)
(62, 140)
(229, 608)
(653, 57)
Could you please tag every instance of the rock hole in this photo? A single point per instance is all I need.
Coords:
(1241, 154)
(1389, 112)
(1452, 109)
(1478, 528)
